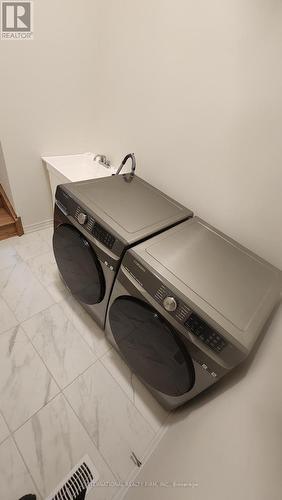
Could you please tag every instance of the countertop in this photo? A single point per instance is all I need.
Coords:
(77, 167)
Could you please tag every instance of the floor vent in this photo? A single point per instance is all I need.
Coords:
(76, 484)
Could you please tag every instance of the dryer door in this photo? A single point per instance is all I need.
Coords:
(78, 265)
(151, 347)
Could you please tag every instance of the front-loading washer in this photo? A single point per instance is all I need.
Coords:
(95, 221)
(187, 307)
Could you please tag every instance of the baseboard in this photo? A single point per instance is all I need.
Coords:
(133, 477)
(45, 224)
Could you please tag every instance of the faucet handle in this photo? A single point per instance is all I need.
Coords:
(103, 160)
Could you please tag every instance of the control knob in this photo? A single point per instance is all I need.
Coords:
(170, 304)
(82, 218)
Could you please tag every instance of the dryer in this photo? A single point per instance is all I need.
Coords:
(95, 221)
(187, 307)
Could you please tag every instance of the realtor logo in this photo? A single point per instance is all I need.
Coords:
(16, 20)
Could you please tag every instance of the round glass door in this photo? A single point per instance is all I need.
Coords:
(78, 265)
(151, 347)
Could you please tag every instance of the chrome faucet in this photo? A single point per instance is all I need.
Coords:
(133, 160)
(102, 159)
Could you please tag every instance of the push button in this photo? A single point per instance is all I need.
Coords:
(205, 333)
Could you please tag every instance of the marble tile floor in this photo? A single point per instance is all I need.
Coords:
(64, 392)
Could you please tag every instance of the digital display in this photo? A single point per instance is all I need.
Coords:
(102, 235)
(205, 333)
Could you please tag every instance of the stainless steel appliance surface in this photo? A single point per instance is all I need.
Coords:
(95, 222)
(187, 307)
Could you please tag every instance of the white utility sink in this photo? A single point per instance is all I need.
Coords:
(72, 168)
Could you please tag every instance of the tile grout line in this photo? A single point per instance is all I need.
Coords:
(9, 308)
(36, 413)
(50, 251)
(11, 327)
(91, 439)
(54, 302)
(131, 401)
(62, 393)
(45, 290)
(80, 335)
(97, 358)
(151, 446)
(79, 375)
(61, 390)
(156, 433)
(14, 247)
(9, 432)
(5, 301)
(22, 261)
(59, 303)
(27, 468)
(36, 314)
(163, 426)
(11, 436)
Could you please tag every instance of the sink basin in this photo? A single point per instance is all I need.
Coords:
(72, 168)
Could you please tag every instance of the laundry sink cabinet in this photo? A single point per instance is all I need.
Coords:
(73, 168)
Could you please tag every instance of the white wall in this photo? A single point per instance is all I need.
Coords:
(47, 90)
(194, 88)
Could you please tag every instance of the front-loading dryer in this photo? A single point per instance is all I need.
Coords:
(95, 221)
(187, 307)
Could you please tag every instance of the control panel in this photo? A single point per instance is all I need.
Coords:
(165, 297)
(94, 228)
(173, 305)
(102, 235)
(183, 314)
(69, 207)
(205, 333)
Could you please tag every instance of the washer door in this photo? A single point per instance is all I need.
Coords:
(78, 265)
(151, 347)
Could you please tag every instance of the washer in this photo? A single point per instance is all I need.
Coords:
(187, 307)
(95, 222)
